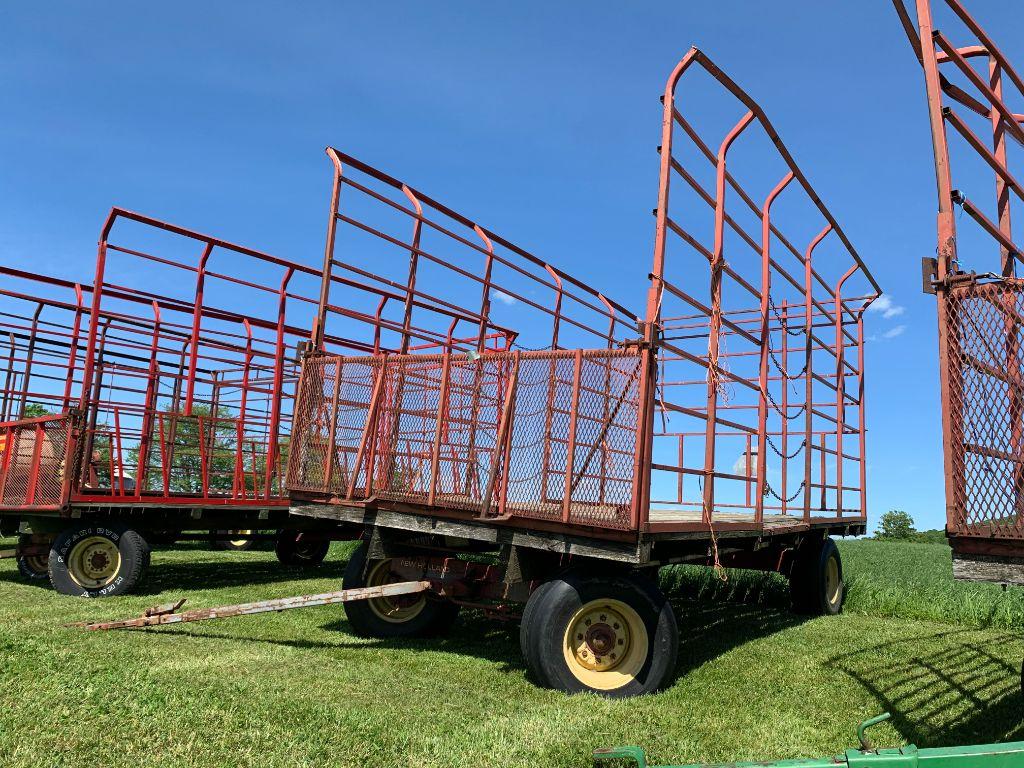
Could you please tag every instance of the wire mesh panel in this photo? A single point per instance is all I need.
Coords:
(33, 463)
(986, 339)
(544, 435)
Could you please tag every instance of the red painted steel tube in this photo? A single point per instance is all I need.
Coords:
(716, 308)
(765, 341)
(570, 455)
(809, 373)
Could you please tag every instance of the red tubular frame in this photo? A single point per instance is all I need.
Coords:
(133, 432)
(583, 418)
(687, 369)
(980, 317)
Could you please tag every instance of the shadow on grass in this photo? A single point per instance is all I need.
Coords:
(220, 571)
(958, 694)
(229, 572)
(707, 630)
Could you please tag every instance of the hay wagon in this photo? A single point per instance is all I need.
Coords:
(551, 474)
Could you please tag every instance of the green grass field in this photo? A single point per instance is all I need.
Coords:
(297, 689)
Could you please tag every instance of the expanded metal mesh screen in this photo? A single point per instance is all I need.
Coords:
(986, 386)
(546, 435)
(33, 460)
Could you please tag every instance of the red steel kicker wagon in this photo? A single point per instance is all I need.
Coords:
(722, 426)
(159, 400)
(971, 91)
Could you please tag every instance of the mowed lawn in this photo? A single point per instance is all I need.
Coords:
(297, 689)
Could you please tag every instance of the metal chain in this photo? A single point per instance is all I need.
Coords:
(803, 444)
(785, 327)
(792, 498)
(776, 406)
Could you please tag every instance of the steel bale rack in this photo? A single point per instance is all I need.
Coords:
(546, 473)
(130, 417)
(970, 90)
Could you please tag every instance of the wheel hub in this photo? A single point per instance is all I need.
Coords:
(600, 638)
(398, 609)
(94, 562)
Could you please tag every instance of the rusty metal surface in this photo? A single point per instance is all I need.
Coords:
(490, 433)
(33, 462)
(986, 327)
(167, 614)
(970, 86)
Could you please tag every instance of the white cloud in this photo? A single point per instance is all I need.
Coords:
(885, 306)
(892, 333)
(504, 298)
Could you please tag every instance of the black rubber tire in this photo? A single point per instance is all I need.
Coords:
(305, 554)
(529, 621)
(131, 546)
(436, 618)
(546, 621)
(808, 580)
(34, 568)
(237, 545)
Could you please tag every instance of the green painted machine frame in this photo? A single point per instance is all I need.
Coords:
(1010, 755)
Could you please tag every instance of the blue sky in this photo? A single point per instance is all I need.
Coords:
(538, 119)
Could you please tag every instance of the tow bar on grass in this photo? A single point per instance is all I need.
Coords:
(1009, 755)
(167, 613)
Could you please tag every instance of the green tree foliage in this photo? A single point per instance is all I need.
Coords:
(190, 439)
(896, 525)
(35, 411)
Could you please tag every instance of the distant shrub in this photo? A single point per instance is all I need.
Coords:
(896, 525)
(930, 537)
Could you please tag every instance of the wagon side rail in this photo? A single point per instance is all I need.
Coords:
(550, 435)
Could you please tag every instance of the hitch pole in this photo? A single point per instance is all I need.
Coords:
(168, 614)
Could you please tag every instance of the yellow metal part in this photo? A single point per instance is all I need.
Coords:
(243, 538)
(605, 644)
(833, 584)
(94, 562)
(396, 609)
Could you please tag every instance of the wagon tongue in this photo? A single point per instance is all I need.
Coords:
(168, 612)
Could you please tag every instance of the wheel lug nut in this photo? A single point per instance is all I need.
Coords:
(613, 655)
(587, 622)
(603, 617)
(579, 635)
(615, 625)
(620, 641)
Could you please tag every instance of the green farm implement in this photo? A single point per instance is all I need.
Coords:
(1010, 755)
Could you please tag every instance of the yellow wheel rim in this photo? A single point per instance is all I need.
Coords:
(240, 542)
(833, 584)
(395, 610)
(605, 644)
(94, 562)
